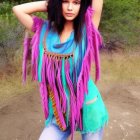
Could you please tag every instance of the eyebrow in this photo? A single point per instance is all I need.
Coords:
(77, 0)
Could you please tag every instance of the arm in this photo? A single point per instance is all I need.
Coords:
(97, 5)
(23, 11)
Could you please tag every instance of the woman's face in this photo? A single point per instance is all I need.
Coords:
(70, 9)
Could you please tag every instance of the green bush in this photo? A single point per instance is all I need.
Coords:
(11, 31)
(5, 8)
(121, 21)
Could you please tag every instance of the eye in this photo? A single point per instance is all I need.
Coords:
(76, 2)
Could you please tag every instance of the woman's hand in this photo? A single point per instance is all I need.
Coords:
(97, 5)
(23, 12)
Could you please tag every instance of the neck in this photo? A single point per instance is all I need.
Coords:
(68, 26)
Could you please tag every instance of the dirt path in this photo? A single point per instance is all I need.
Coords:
(123, 103)
(22, 117)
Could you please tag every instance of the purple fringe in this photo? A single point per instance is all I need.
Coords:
(51, 73)
(43, 89)
(60, 86)
(94, 42)
(44, 99)
(26, 54)
(35, 46)
(51, 77)
(73, 112)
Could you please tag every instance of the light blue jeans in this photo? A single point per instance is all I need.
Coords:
(52, 132)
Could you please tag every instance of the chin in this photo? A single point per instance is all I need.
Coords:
(69, 18)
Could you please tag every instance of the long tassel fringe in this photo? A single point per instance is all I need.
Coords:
(26, 55)
(94, 42)
(51, 74)
(35, 47)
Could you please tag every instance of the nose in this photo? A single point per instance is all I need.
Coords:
(70, 6)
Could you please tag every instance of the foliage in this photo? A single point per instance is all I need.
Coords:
(11, 31)
(121, 21)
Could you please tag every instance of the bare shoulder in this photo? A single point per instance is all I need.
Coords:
(97, 5)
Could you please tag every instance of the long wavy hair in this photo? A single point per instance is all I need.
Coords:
(57, 21)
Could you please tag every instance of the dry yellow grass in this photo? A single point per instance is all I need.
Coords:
(11, 80)
(120, 67)
(12, 86)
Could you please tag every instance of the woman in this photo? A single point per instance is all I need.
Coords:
(63, 47)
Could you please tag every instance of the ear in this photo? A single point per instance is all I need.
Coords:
(97, 5)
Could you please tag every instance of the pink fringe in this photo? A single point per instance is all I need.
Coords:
(44, 99)
(60, 86)
(51, 72)
(52, 82)
(94, 41)
(43, 89)
(26, 54)
(73, 111)
(35, 46)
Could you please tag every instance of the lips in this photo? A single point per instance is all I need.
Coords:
(69, 14)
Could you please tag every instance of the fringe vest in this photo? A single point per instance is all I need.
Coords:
(51, 71)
